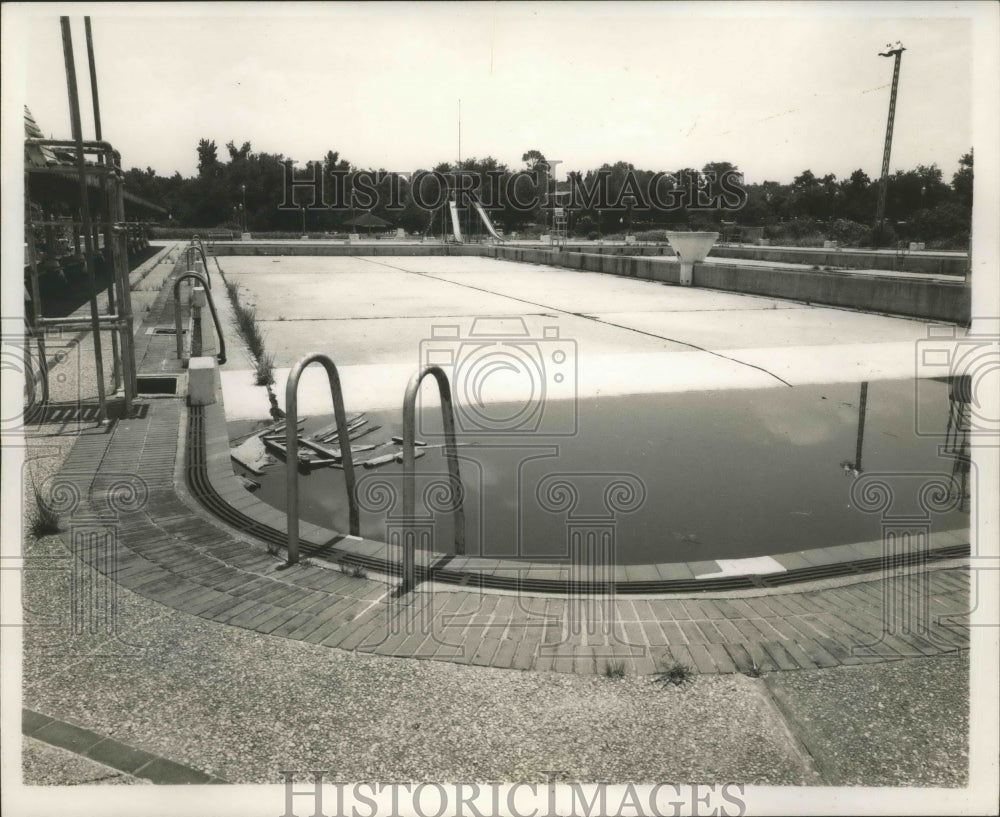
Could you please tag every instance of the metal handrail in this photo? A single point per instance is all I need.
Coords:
(221, 356)
(409, 456)
(204, 258)
(292, 448)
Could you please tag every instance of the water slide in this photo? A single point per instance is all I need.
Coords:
(455, 226)
(486, 220)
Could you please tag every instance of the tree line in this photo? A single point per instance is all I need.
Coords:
(920, 204)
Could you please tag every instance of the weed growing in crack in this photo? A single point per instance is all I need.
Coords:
(614, 669)
(674, 673)
(44, 521)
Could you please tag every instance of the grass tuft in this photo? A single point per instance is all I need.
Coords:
(265, 370)
(614, 669)
(352, 570)
(44, 521)
(245, 318)
(675, 673)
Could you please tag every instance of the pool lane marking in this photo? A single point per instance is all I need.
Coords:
(587, 317)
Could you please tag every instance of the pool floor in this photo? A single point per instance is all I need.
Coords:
(664, 478)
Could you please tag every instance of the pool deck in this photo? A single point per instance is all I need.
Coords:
(174, 551)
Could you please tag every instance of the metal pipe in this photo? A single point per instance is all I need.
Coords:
(74, 107)
(109, 318)
(118, 364)
(124, 301)
(221, 356)
(87, 145)
(93, 79)
(36, 297)
(83, 324)
(409, 480)
(292, 448)
(204, 259)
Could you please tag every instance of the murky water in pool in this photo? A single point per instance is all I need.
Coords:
(666, 477)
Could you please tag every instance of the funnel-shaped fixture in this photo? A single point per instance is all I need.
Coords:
(691, 247)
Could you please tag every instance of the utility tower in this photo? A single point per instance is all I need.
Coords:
(897, 52)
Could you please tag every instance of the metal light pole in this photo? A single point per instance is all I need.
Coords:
(243, 187)
(897, 52)
(302, 207)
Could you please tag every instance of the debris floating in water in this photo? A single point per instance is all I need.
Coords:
(399, 441)
(358, 434)
(383, 459)
(251, 455)
(249, 484)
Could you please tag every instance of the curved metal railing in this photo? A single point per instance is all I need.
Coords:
(292, 448)
(221, 356)
(409, 456)
(189, 259)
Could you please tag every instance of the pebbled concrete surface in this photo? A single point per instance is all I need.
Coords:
(243, 706)
(906, 721)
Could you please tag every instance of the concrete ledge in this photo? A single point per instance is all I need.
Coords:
(949, 301)
(201, 381)
(916, 298)
(929, 262)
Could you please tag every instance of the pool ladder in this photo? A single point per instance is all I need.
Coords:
(178, 329)
(409, 456)
(409, 478)
(292, 448)
(189, 259)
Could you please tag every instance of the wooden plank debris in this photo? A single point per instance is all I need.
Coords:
(399, 441)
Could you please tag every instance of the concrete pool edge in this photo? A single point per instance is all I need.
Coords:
(235, 504)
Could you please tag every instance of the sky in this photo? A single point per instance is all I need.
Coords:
(773, 88)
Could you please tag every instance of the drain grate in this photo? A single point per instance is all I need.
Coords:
(201, 489)
(163, 330)
(156, 385)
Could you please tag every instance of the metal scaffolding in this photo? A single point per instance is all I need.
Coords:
(87, 177)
